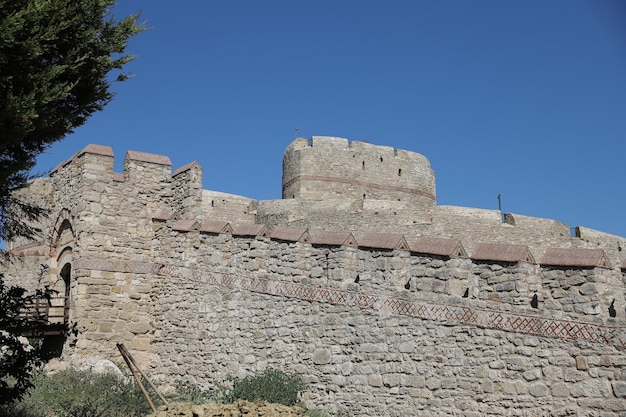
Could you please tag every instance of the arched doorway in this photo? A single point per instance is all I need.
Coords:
(63, 294)
(59, 308)
(63, 284)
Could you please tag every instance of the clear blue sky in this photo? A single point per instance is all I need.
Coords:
(526, 99)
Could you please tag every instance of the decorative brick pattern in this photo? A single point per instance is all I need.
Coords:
(518, 323)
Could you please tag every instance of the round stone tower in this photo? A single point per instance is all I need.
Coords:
(333, 168)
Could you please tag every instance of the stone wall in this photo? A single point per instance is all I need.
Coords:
(216, 206)
(376, 330)
(361, 216)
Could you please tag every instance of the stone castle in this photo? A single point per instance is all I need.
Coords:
(387, 303)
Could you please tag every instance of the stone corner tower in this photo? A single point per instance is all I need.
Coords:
(333, 168)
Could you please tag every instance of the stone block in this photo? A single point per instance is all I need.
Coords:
(406, 347)
(433, 383)
(425, 393)
(130, 307)
(493, 297)
(518, 364)
(321, 356)
(316, 272)
(358, 379)
(573, 375)
(538, 390)
(590, 388)
(375, 380)
(552, 372)
(588, 288)
(140, 343)
(499, 364)
(619, 389)
(560, 389)
(337, 380)
(139, 327)
(414, 381)
(487, 387)
(373, 348)
(521, 387)
(391, 380)
(531, 374)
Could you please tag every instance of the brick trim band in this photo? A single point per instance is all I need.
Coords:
(357, 182)
(492, 319)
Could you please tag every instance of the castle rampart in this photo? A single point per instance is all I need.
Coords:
(386, 307)
(371, 329)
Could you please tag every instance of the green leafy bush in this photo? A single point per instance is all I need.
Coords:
(187, 392)
(18, 358)
(74, 393)
(271, 385)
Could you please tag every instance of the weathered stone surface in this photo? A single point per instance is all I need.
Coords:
(538, 390)
(619, 389)
(321, 356)
(375, 331)
(238, 409)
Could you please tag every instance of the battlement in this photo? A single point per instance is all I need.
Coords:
(333, 168)
(328, 183)
(356, 278)
(324, 180)
(96, 162)
(509, 277)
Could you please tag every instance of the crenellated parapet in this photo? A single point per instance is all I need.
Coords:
(564, 283)
(387, 302)
(187, 189)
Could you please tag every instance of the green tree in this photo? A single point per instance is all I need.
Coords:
(58, 59)
(18, 358)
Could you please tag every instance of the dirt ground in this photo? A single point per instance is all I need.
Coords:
(238, 409)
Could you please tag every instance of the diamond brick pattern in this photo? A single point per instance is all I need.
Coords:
(518, 323)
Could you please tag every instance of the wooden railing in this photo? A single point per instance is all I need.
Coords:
(52, 315)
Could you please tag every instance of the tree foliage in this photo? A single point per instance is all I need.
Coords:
(58, 59)
(18, 358)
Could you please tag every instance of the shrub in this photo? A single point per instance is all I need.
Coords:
(18, 358)
(187, 392)
(74, 393)
(271, 385)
